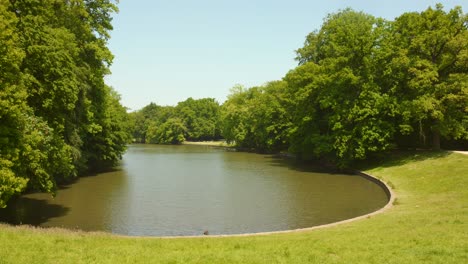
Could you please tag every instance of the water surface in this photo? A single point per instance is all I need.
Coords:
(185, 190)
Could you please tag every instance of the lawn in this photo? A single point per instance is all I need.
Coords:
(427, 224)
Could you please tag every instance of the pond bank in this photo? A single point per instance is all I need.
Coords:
(208, 143)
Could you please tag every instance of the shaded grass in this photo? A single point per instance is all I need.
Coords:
(428, 224)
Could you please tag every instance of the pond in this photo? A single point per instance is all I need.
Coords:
(185, 190)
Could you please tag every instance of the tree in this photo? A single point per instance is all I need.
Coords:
(12, 97)
(142, 119)
(58, 118)
(428, 73)
(342, 114)
(107, 141)
(170, 132)
(256, 118)
(200, 117)
(236, 115)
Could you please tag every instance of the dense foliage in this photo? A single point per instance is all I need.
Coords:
(58, 119)
(363, 85)
(191, 119)
(257, 118)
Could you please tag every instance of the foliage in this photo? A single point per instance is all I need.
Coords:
(192, 119)
(12, 106)
(141, 120)
(363, 85)
(200, 117)
(342, 113)
(170, 132)
(10, 185)
(256, 118)
(428, 73)
(58, 119)
(107, 141)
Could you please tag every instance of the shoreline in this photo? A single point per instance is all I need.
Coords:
(426, 224)
(391, 200)
(208, 143)
(386, 188)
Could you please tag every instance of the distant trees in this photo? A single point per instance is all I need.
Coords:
(363, 85)
(141, 119)
(200, 117)
(190, 120)
(257, 118)
(58, 119)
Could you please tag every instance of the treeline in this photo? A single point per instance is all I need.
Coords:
(58, 119)
(363, 85)
(191, 119)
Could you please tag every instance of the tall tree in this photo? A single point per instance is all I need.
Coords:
(200, 117)
(429, 72)
(342, 113)
(58, 118)
(12, 105)
(257, 118)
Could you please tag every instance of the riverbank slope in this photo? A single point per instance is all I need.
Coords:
(427, 224)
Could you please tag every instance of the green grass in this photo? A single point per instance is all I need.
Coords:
(428, 224)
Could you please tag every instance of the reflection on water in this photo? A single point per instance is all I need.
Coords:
(184, 190)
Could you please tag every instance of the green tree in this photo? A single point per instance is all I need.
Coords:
(428, 73)
(342, 113)
(257, 118)
(170, 132)
(12, 105)
(57, 115)
(200, 117)
(142, 118)
(107, 141)
(235, 116)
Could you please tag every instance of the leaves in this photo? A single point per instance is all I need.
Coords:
(433, 45)
(256, 118)
(192, 119)
(363, 85)
(57, 117)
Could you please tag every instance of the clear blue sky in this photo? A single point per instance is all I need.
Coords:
(167, 51)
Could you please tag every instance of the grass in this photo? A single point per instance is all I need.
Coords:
(427, 224)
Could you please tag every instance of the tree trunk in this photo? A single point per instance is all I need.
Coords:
(436, 140)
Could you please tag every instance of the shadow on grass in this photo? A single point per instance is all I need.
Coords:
(399, 158)
(315, 166)
(386, 159)
(31, 211)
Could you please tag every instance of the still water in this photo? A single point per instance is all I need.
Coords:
(185, 190)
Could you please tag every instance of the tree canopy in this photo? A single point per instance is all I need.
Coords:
(363, 85)
(58, 119)
(192, 119)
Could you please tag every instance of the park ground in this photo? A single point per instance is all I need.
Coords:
(428, 223)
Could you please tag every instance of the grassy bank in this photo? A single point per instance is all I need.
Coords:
(428, 224)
